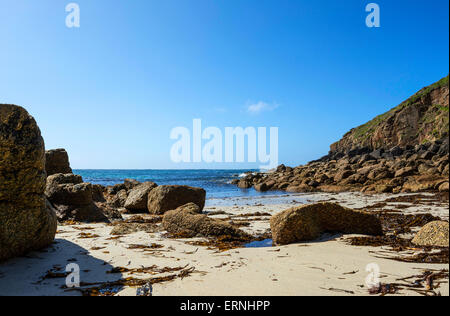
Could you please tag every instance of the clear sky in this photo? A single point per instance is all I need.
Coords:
(111, 91)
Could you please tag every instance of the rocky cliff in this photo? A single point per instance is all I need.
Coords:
(403, 150)
(422, 118)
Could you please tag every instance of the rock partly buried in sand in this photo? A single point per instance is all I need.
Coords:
(308, 222)
(57, 161)
(72, 199)
(186, 222)
(27, 222)
(168, 197)
(130, 228)
(138, 197)
(433, 234)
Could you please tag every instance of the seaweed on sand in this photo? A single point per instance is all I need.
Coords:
(398, 223)
(150, 270)
(395, 224)
(425, 284)
(440, 197)
(113, 287)
(225, 243)
(146, 247)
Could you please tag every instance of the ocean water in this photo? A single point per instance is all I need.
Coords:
(215, 182)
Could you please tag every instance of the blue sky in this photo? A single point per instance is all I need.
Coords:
(111, 91)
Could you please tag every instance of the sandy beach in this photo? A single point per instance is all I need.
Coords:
(328, 266)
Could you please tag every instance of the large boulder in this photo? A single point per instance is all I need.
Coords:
(434, 234)
(138, 197)
(57, 161)
(72, 199)
(186, 222)
(168, 197)
(27, 221)
(308, 222)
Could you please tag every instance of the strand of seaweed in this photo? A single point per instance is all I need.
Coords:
(113, 287)
(425, 284)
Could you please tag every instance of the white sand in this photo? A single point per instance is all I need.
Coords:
(326, 267)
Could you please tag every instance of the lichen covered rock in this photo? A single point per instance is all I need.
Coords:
(434, 234)
(186, 221)
(57, 161)
(168, 197)
(27, 221)
(308, 222)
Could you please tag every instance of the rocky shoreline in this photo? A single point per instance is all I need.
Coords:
(422, 168)
(403, 150)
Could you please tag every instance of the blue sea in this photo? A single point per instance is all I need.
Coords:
(215, 182)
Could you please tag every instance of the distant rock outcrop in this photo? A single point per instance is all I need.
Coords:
(57, 161)
(168, 197)
(27, 221)
(420, 119)
(308, 222)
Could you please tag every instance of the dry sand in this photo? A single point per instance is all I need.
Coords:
(324, 267)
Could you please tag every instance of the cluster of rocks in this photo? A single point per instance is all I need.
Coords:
(75, 200)
(135, 197)
(399, 169)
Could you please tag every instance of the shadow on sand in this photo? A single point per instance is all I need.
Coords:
(43, 273)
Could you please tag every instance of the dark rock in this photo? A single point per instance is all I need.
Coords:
(281, 168)
(405, 172)
(426, 155)
(388, 156)
(130, 184)
(72, 199)
(57, 161)
(261, 187)
(97, 193)
(377, 154)
(396, 151)
(444, 149)
(119, 199)
(365, 158)
(113, 190)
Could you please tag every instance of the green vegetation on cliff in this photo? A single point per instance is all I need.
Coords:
(422, 117)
